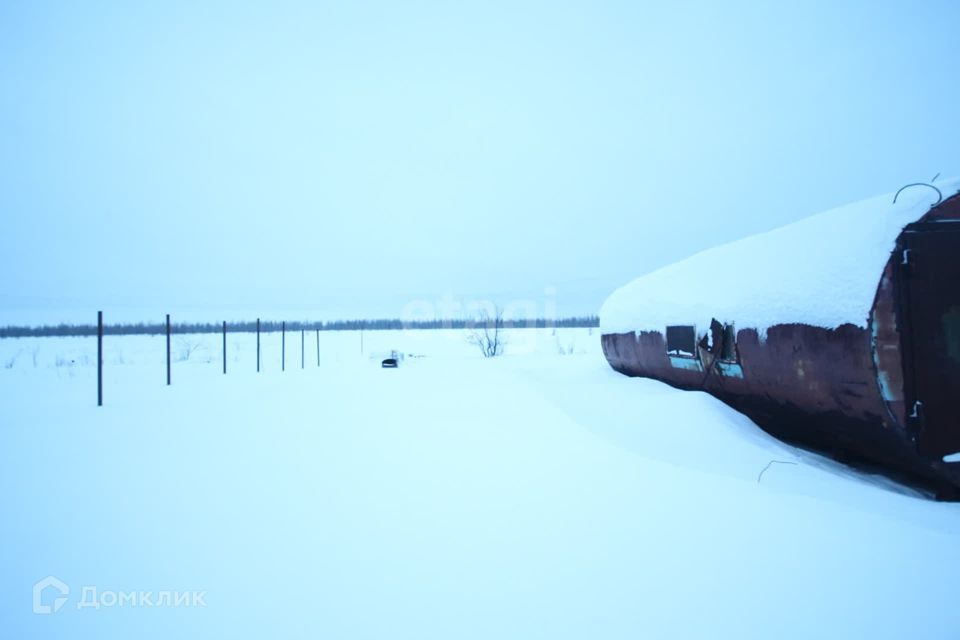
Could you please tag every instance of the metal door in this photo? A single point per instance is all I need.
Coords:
(930, 325)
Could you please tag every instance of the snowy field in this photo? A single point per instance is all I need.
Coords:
(536, 495)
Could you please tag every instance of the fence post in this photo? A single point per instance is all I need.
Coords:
(258, 345)
(283, 346)
(168, 349)
(302, 356)
(318, 347)
(224, 347)
(99, 358)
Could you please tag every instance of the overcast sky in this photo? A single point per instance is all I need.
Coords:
(351, 158)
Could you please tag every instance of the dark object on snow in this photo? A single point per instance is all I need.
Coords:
(389, 363)
(885, 397)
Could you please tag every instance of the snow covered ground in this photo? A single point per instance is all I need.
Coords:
(538, 494)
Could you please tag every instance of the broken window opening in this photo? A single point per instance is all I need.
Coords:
(682, 340)
(728, 352)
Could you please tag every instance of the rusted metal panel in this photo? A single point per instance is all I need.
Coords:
(824, 369)
(807, 385)
(949, 209)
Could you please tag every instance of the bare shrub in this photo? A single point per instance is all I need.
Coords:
(12, 360)
(566, 349)
(187, 347)
(488, 336)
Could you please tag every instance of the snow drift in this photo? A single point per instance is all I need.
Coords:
(778, 277)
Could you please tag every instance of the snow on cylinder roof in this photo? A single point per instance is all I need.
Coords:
(823, 271)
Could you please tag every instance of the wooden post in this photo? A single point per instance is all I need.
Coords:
(224, 347)
(283, 346)
(302, 356)
(318, 347)
(168, 349)
(99, 358)
(258, 345)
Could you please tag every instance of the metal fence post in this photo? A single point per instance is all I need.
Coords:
(168, 349)
(224, 347)
(99, 358)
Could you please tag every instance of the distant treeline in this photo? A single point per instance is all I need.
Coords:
(64, 330)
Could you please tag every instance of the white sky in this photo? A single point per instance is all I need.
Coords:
(354, 158)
